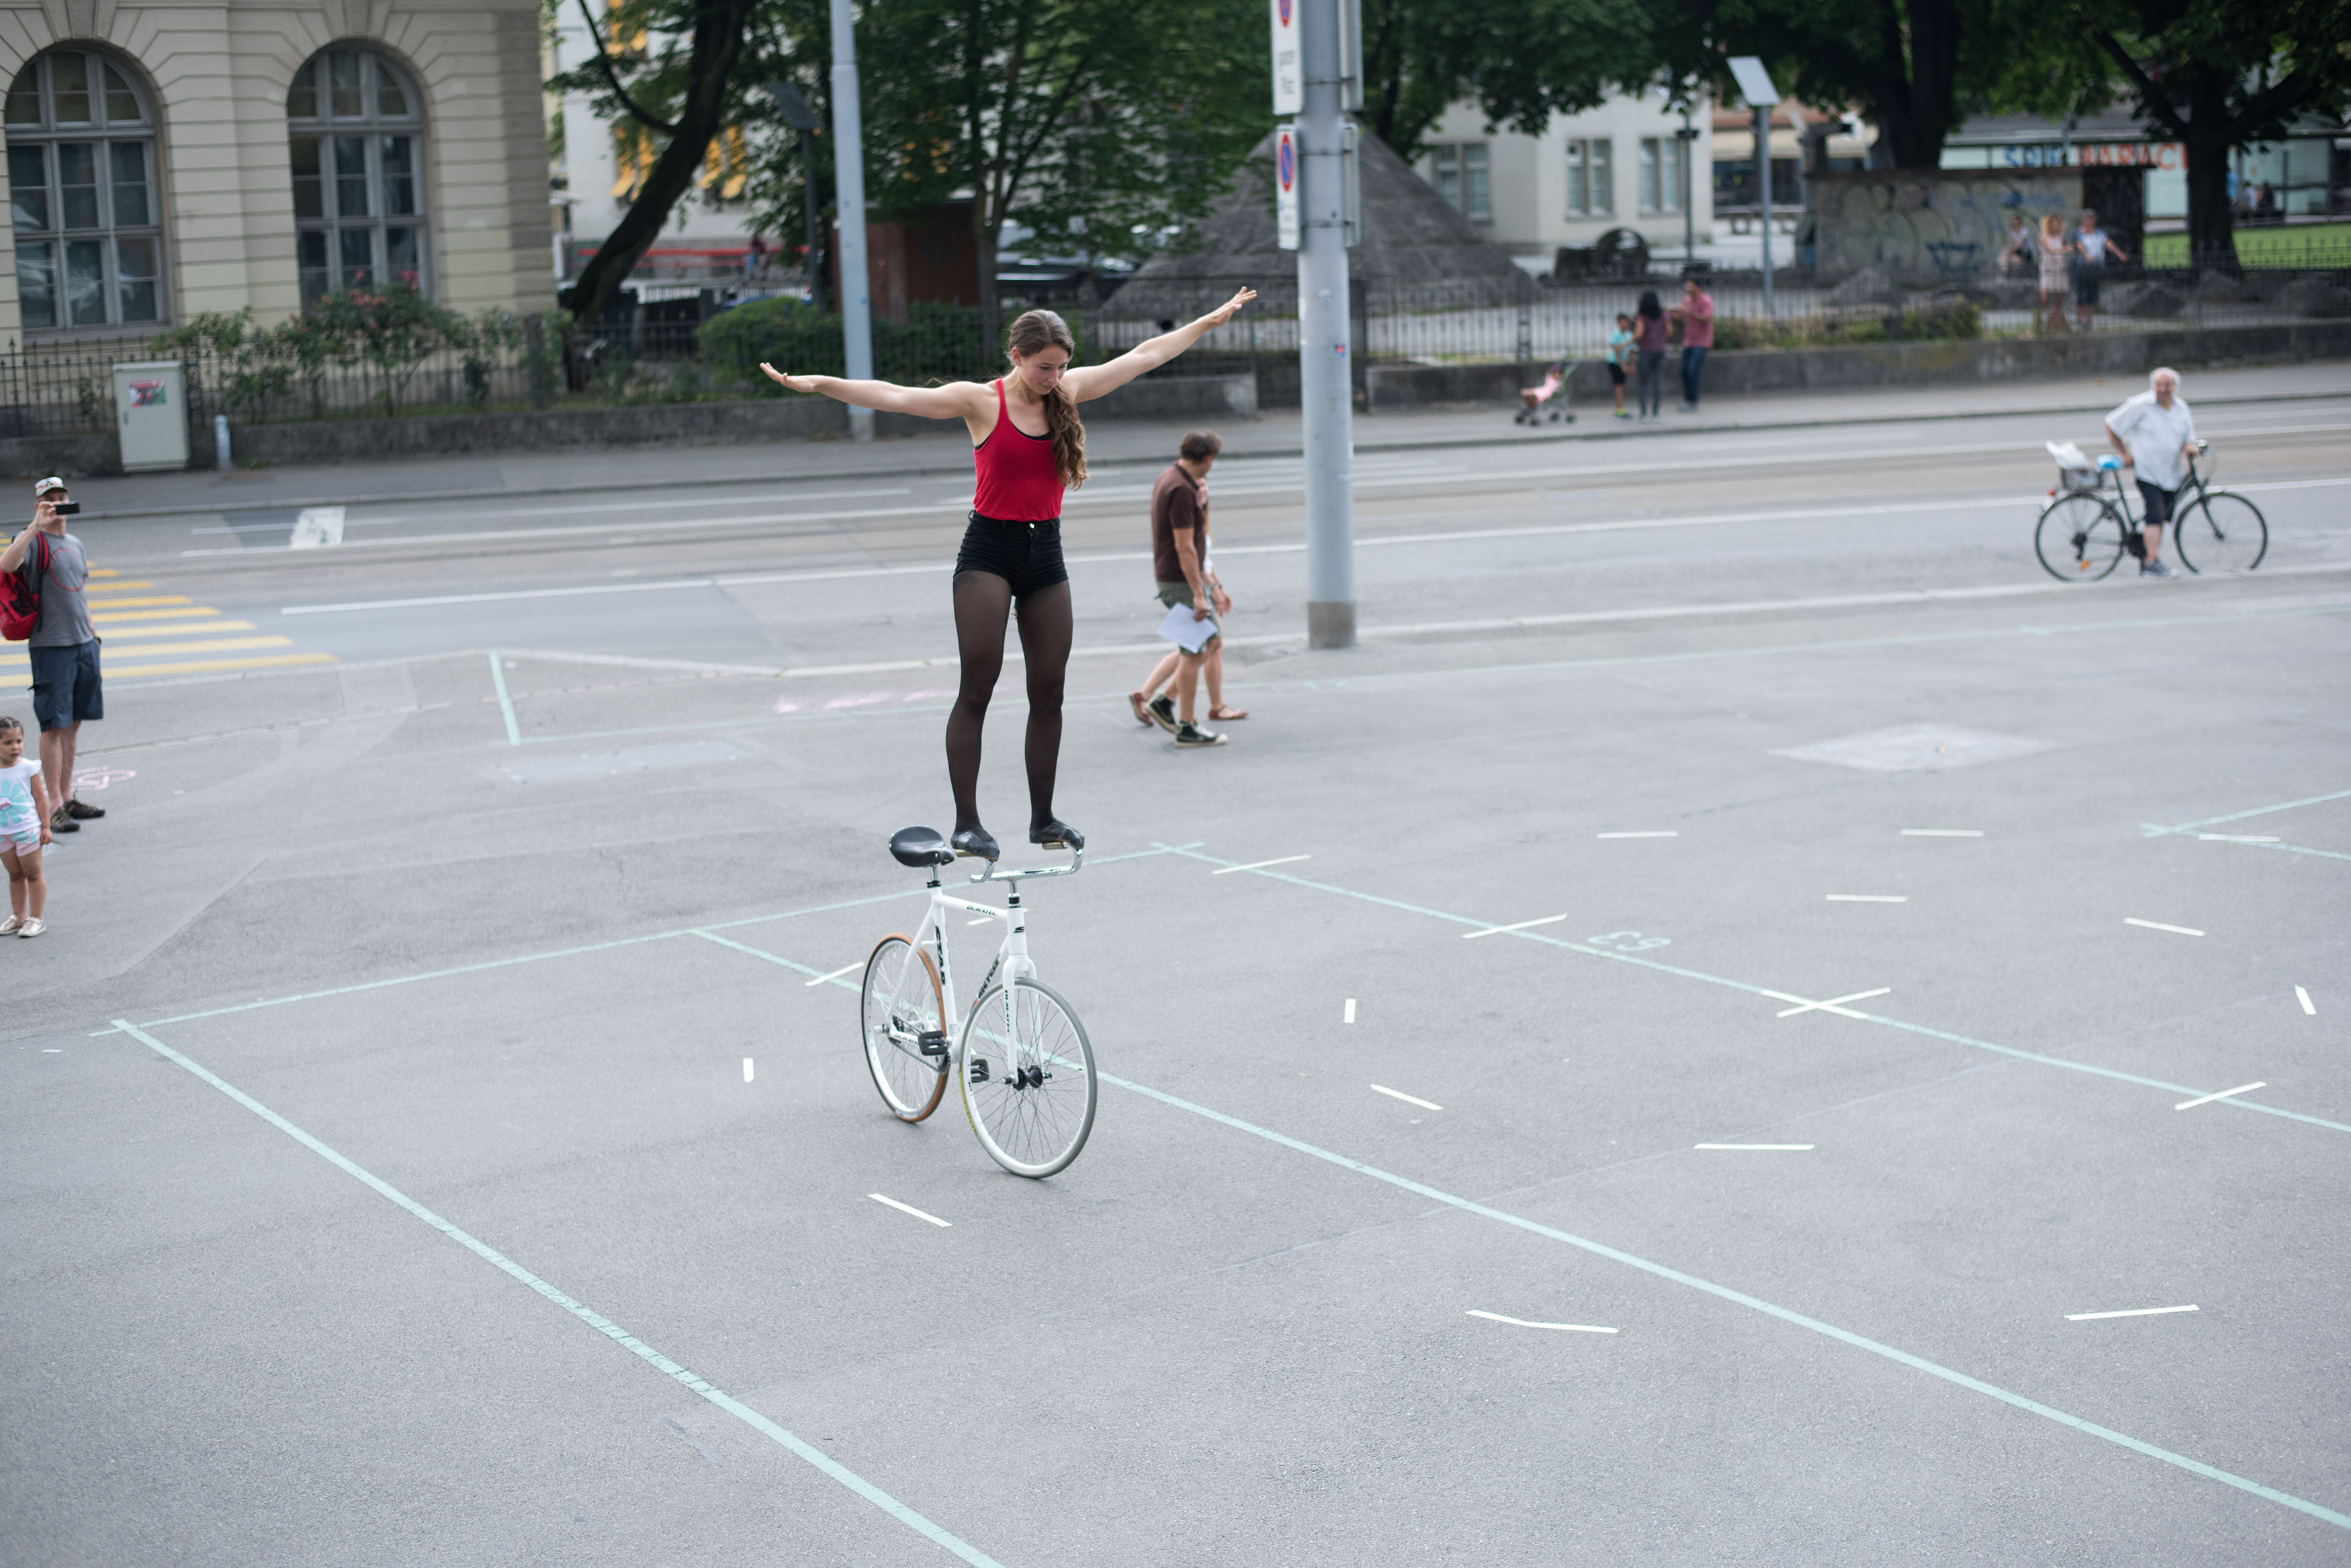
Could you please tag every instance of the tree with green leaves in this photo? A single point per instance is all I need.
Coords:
(1520, 62)
(2216, 77)
(668, 69)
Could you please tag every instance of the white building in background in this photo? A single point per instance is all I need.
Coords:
(1621, 165)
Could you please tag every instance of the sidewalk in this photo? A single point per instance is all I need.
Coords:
(1110, 442)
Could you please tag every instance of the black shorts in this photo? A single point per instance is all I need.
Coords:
(2086, 285)
(2160, 503)
(65, 685)
(1026, 555)
(1616, 374)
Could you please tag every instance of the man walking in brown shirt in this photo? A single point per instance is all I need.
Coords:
(1179, 560)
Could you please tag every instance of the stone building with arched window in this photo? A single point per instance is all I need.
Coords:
(172, 157)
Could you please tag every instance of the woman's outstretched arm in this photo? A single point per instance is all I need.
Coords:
(1094, 380)
(955, 400)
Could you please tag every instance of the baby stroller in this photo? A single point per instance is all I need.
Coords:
(1533, 398)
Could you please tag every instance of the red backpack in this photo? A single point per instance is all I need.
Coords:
(21, 611)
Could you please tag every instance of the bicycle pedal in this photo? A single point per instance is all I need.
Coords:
(932, 1043)
(979, 1069)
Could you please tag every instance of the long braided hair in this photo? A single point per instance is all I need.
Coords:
(1032, 331)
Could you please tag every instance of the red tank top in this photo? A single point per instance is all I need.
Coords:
(1017, 482)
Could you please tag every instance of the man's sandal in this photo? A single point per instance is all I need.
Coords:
(1223, 714)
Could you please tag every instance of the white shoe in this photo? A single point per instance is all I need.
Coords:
(33, 927)
(10, 924)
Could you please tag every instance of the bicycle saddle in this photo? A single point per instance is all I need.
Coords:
(920, 846)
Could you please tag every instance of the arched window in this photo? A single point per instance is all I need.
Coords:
(356, 123)
(81, 181)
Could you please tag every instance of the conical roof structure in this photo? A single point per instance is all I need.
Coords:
(1412, 239)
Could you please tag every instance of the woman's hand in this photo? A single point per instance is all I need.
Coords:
(797, 383)
(1225, 311)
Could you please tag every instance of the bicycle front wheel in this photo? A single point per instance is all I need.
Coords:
(2222, 531)
(899, 1011)
(2079, 538)
(1029, 1093)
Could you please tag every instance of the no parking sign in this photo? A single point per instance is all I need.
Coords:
(1285, 187)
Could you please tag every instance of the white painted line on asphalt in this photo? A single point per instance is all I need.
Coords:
(2160, 925)
(2133, 1312)
(1257, 864)
(1522, 925)
(2238, 837)
(1866, 898)
(909, 1209)
(1408, 1099)
(1668, 833)
(836, 974)
(2299, 995)
(1523, 1323)
(1833, 1004)
(1351, 1008)
(2225, 1093)
(1753, 1146)
(1942, 833)
(747, 1069)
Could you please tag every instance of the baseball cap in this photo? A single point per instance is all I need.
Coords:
(46, 485)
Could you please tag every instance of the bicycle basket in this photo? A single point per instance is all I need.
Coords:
(2081, 479)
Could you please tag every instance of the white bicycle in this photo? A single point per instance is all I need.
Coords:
(1021, 1057)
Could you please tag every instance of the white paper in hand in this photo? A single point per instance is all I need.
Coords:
(1185, 632)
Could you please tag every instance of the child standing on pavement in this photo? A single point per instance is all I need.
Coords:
(24, 828)
(1620, 358)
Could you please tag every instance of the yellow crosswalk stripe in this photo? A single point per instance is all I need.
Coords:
(104, 572)
(178, 628)
(203, 666)
(94, 606)
(116, 588)
(151, 614)
(209, 645)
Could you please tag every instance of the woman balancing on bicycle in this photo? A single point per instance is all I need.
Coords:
(1011, 553)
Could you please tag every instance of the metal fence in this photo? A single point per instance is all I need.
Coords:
(677, 351)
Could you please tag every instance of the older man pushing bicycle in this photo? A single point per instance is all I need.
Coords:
(2156, 435)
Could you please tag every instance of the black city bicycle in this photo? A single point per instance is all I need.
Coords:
(2085, 532)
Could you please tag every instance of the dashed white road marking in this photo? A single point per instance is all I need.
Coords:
(1523, 1323)
(2160, 925)
(836, 974)
(1408, 1099)
(1257, 864)
(2208, 1099)
(1942, 833)
(1866, 898)
(747, 1069)
(1661, 833)
(2299, 995)
(909, 1209)
(1753, 1146)
(1350, 1011)
(2238, 837)
(2133, 1312)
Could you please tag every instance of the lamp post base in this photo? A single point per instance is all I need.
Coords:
(1331, 623)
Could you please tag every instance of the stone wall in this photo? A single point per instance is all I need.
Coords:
(1928, 226)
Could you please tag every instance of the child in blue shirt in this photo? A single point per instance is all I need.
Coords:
(24, 828)
(1619, 357)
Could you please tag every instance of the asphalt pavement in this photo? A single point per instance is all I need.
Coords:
(1744, 1021)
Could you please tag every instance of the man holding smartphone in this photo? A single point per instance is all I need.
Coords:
(63, 647)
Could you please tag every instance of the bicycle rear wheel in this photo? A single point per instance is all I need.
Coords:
(2222, 531)
(898, 1006)
(1030, 1093)
(2079, 538)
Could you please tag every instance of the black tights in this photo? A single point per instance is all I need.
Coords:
(981, 601)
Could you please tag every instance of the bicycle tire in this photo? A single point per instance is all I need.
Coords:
(1032, 1104)
(2223, 530)
(2079, 538)
(898, 1002)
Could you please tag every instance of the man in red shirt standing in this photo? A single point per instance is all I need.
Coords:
(1696, 314)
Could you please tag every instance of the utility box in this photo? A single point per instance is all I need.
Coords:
(151, 415)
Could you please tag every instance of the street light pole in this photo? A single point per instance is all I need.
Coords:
(1325, 378)
(1755, 86)
(849, 183)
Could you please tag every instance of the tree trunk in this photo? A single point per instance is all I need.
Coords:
(2212, 224)
(1914, 103)
(717, 44)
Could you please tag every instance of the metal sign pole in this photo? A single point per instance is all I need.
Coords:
(1326, 387)
(1755, 86)
(848, 181)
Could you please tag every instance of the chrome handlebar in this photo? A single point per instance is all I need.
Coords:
(1077, 863)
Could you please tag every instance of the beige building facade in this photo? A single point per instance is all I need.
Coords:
(167, 159)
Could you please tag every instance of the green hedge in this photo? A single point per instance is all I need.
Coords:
(935, 343)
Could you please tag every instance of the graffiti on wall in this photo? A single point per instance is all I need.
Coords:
(1927, 227)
